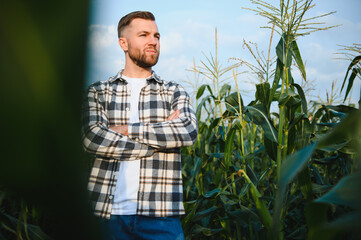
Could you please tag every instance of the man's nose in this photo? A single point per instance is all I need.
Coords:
(153, 41)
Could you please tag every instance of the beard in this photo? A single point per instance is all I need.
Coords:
(141, 59)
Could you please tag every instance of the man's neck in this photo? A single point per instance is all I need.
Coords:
(134, 71)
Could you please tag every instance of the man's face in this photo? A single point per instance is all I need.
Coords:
(142, 38)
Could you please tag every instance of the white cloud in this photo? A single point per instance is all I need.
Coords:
(170, 42)
(249, 27)
(173, 68)
(194, 27)
(105, 56)
(190, 35)
(321, 58)
(102, 36)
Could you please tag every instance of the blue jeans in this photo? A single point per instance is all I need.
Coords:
(124, 227)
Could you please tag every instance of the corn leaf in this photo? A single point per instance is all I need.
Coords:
(281, 51)
(290, 99)
(212, 193)
(202, 104)
(260, 204)
(258, 115)
(200, 215)
(298, 59)
(341, 108)
(232, 100)
(275, 84)
(201, 91)
(352, 64)
(350, 82)
(263, 92)
(302, 96)
(349, 128)
(271, 148)
(226, 88)
(229, 147)
(347, 224)
(296, 120)
(205, 231)
(243, 215)
(294, 164)
(346, 192)
(12, 223)
(291, 166)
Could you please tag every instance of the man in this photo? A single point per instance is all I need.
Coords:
(135, 124)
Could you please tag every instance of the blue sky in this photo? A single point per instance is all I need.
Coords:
(187, 31)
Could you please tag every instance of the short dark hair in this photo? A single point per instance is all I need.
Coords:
(127, 19)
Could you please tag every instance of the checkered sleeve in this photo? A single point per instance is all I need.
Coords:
(169, 134)
(99, 140)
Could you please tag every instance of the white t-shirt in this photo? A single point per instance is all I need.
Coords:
(126, 189)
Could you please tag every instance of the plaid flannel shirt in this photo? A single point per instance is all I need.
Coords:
(160, 185)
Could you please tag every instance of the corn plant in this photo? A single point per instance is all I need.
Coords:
(252, 174)
(19, 220)
(353, 54)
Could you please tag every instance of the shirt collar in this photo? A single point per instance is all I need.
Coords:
(119, 77)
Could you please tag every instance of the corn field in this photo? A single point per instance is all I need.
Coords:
(280, 167)
(263, 172)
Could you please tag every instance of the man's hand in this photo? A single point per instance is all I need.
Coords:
(122, 129)
(174, 115)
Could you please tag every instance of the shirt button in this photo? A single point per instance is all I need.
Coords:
(127, 109)
(110, 197)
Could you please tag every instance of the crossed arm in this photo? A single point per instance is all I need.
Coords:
(100, 140)
(123, 129)
(133, 141)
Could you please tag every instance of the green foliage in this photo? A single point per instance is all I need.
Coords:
(352, 54)
(355, 70)
(43, 167)
(231, 182)
(254, 174)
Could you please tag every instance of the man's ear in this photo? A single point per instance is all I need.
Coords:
(123, 43)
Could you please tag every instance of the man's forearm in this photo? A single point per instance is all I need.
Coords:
(101, 141)
(123, 129)
(177, 133)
